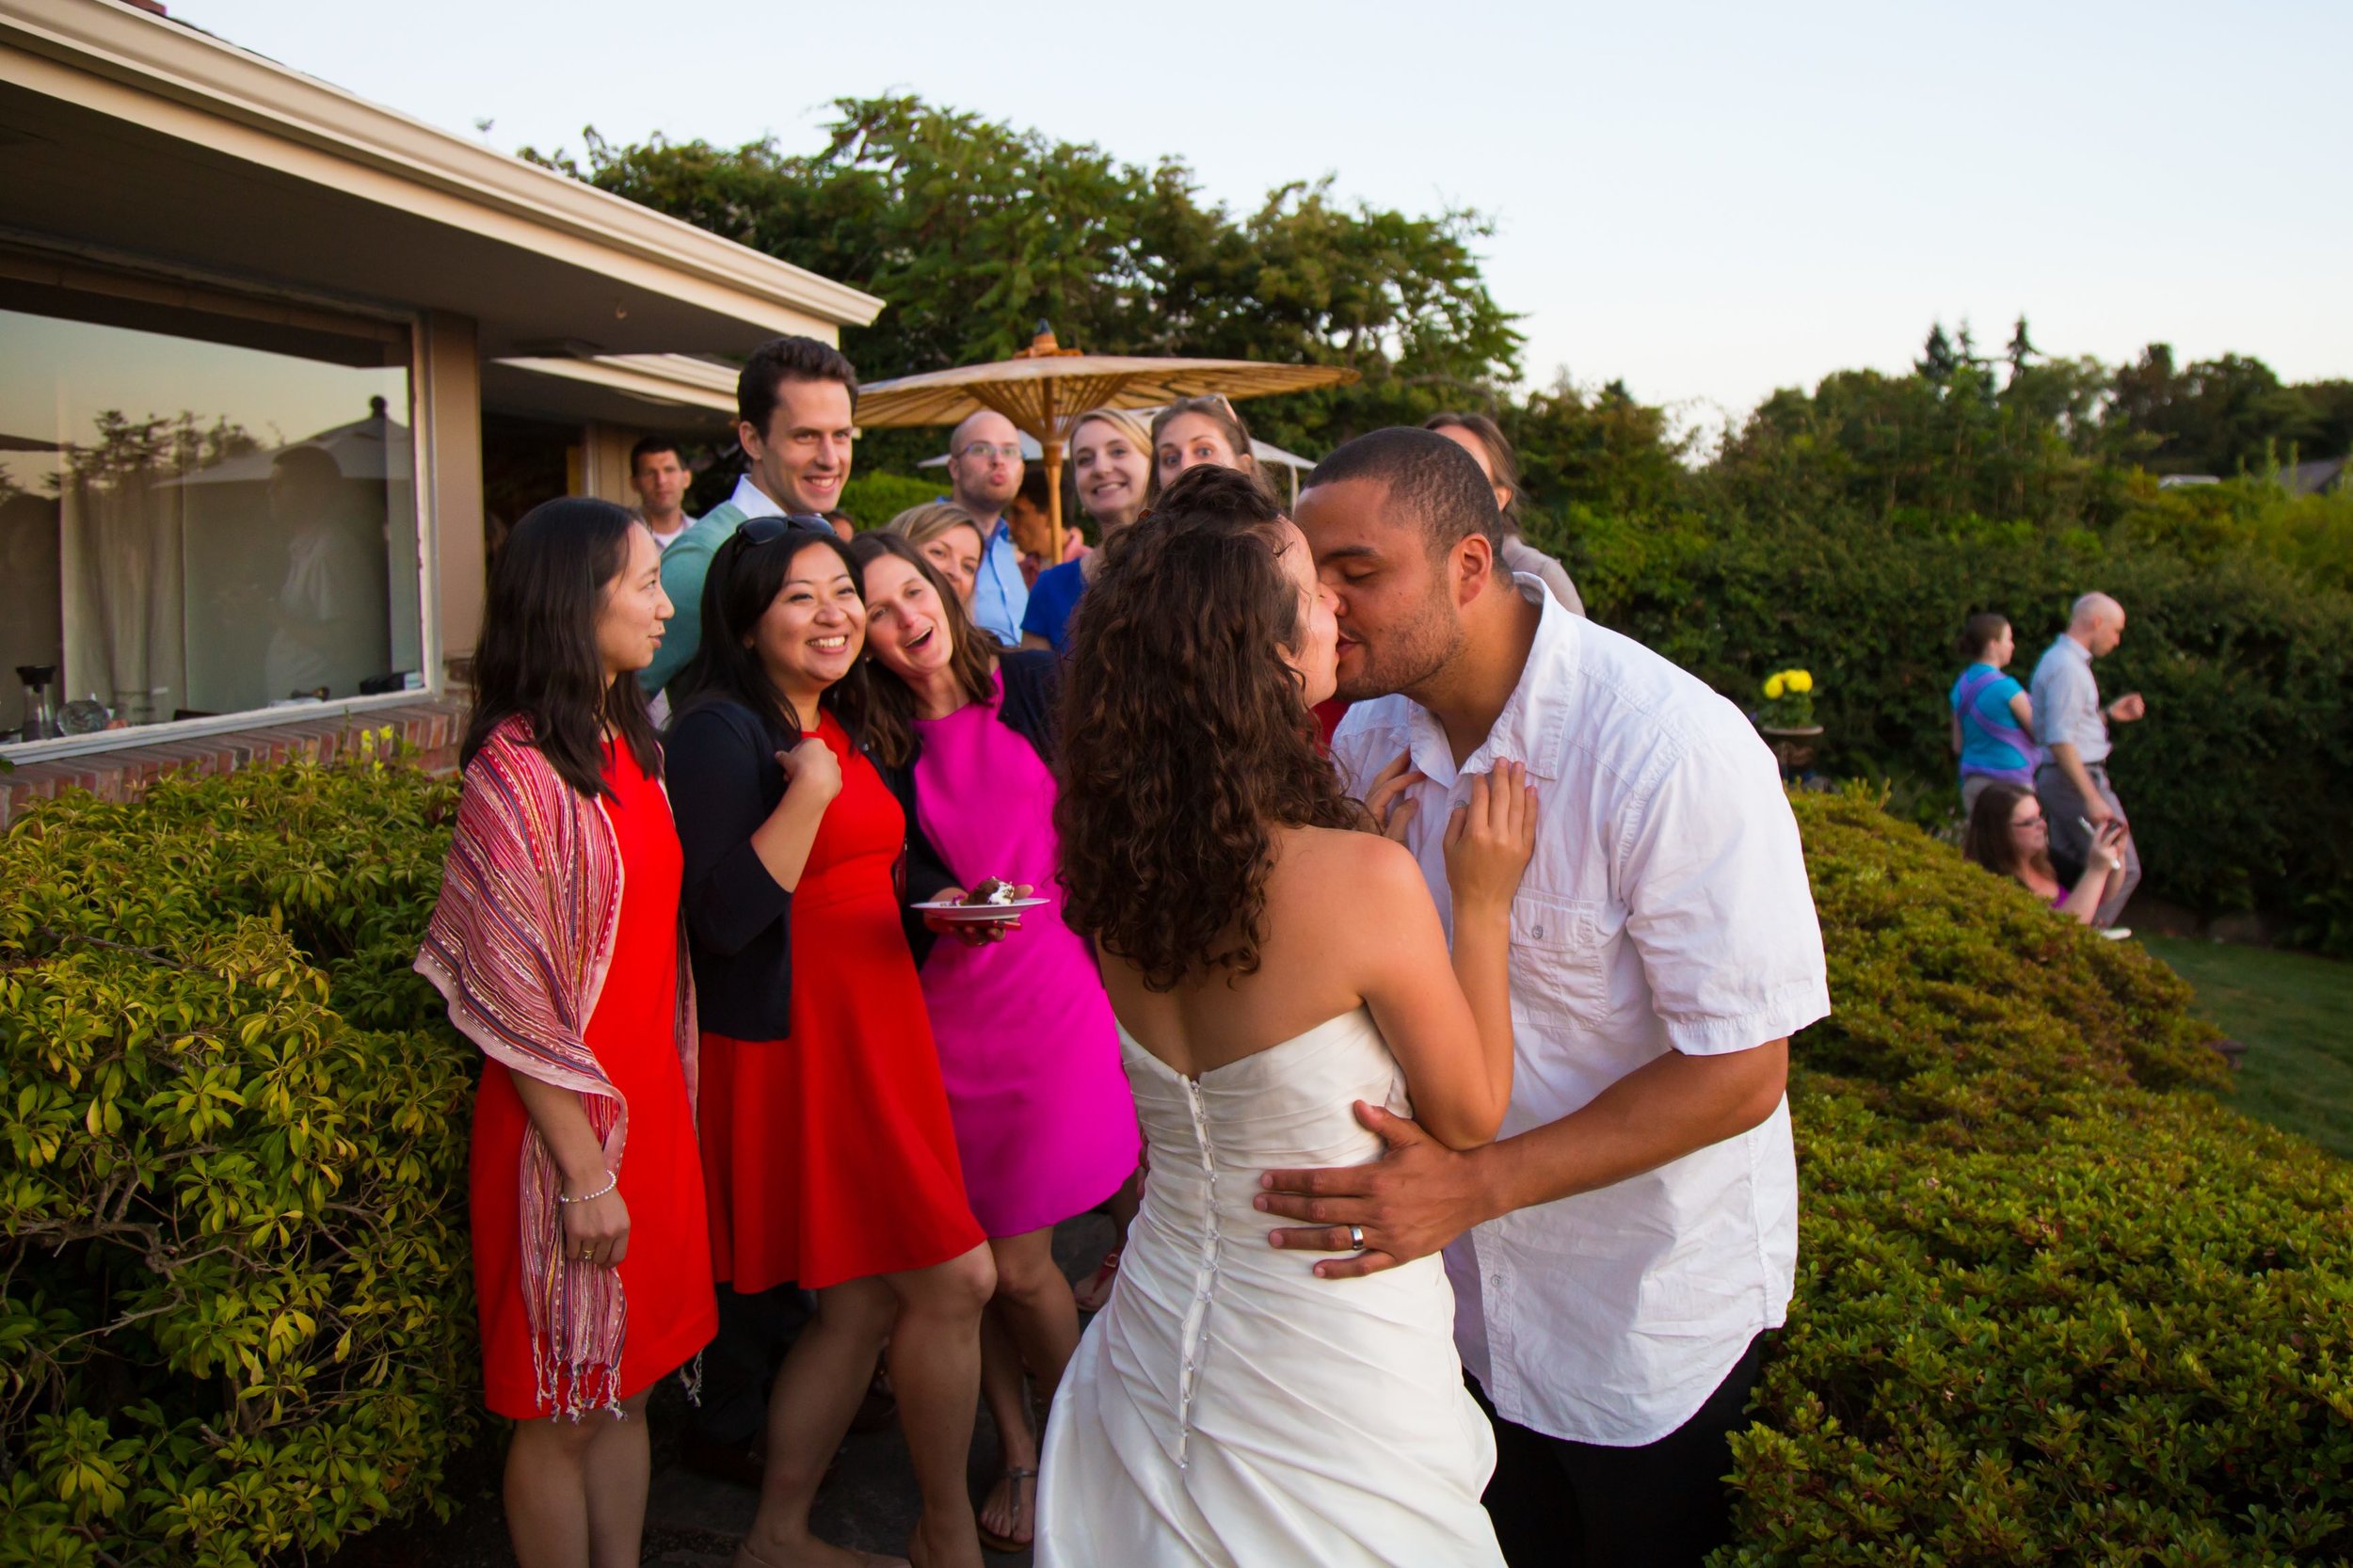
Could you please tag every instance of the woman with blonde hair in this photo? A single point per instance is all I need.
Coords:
(1110, 468)
(948, 537)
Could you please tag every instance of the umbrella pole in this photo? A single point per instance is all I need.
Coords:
(1049, 438)
(1053, 494)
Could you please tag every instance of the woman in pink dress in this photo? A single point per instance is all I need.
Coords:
(1044, 1123)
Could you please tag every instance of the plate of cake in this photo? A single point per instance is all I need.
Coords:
(990, 900)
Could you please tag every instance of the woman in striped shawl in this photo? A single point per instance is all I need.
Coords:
(559, 944)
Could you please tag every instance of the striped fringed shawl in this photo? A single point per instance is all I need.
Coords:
(519, 944)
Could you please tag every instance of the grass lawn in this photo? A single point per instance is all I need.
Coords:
(2296, 1014)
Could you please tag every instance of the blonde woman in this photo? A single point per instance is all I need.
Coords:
(1111, 467)
(948, 537)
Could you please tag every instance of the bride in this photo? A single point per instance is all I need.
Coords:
(1271, 963)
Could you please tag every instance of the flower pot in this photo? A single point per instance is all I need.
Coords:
(1793, 746)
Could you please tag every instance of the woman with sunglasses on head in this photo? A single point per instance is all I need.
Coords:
(962, 732)
(827, 1147)
(1110, 468)
(556, 941)
(2008, 837)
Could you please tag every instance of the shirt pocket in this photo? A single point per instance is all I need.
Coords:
(1557, 971)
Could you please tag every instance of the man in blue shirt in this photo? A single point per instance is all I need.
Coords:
(793, 406)
(983, 475)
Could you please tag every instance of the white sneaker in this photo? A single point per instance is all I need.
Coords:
(2115, 933)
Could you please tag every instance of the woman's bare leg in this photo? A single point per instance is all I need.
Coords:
(818, 1389)
(936, 1368)
(575, 1490)
(1033, 1326)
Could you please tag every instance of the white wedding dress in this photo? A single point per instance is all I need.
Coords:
(1228, 1407)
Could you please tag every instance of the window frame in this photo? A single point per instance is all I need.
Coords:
(86, 271)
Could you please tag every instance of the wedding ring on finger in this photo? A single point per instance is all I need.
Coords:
(1356, 1237)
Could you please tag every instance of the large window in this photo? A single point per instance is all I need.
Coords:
(207, 505)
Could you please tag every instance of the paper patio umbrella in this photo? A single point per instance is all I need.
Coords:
(1045, 388)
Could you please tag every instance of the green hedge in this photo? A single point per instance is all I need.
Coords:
(237, 1323)
(2055, 1303)
(2239, 782)
(874, 498)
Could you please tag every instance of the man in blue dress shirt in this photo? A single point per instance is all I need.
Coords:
(983, 475)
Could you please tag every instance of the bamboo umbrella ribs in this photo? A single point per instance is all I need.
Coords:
(1046, 387)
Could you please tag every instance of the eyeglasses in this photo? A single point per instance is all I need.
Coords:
(767, 530)
(2031, 823)
(983, 451)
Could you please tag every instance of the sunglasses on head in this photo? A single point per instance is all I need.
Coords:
(767, 530)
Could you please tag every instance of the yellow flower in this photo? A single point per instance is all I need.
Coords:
(1800, 682)
(1772, 687)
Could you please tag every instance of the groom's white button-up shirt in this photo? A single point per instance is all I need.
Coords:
(1666, 909)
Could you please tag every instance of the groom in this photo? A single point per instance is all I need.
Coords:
(1619, 1253)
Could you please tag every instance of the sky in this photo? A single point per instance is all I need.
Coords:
(1706, 200)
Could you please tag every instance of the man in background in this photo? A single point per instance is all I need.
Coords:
(2073, 781)
(984, 474)
(659, 476)
(794, 405)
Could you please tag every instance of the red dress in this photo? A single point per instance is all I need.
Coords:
(666, 1279)
(830, 1156)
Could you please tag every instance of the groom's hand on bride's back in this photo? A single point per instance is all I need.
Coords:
(1409, 1203)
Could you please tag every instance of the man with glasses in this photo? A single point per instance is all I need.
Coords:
(983, 475)
(793, 406)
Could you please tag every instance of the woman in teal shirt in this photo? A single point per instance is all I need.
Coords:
(1993, 715)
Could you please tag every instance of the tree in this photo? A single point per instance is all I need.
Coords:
(974, 230)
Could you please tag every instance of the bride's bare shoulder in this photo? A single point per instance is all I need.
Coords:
(1328, 862)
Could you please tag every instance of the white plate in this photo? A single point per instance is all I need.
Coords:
(980, 913)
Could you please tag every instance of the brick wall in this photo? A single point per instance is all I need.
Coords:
(434, 728)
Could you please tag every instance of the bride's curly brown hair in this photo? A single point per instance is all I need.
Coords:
(1187, 740)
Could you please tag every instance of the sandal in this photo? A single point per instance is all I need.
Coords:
(996, 1543)
(1096, 1293)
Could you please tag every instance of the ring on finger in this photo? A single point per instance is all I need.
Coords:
(1356, 1237)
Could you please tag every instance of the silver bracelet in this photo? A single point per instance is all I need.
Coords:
(612, 1179)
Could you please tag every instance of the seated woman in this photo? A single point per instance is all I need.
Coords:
(2008, 837)
(1993, 715)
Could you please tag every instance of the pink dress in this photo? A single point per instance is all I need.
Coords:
(1044, 1123)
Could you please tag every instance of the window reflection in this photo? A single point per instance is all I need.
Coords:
(191, 524)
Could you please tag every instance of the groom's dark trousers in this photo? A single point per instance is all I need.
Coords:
(1558, 1504)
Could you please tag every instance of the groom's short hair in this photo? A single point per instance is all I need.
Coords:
(1428, 475)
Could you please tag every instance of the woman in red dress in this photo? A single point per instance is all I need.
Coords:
(827, 1147)
(557, 942)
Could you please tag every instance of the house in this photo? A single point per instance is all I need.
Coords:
(277, 367)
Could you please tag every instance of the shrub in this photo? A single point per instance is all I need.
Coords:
(874, 498)
(2240, 780)
(237, 1322)
(2055, 1303)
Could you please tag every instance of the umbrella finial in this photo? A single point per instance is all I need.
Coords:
(1044, 346)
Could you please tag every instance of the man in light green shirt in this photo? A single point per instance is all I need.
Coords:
(794, 404)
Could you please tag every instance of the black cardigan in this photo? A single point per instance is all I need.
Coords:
(720, 763)
(1033, 680)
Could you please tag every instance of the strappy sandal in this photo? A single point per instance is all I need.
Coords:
(996, 1543)
(1096, 1294)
